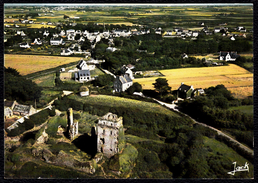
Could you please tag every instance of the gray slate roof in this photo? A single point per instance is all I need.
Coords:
(84, 73)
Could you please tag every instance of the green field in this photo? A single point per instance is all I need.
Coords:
(46, 81)
(248, 109)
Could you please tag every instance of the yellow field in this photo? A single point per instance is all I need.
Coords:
(238, 80)
(27, 64)
(37, 26)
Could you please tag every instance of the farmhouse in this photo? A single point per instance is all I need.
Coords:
(122, 83)
(126, 70)
(46, 33)
(82, 75)
(70, 31)
(82, 65)
(112, 49)
(109, 134)
(228, 56)
(66, 52)
(37, 41)
(24, 45)
(198, 92)
(56, 41)
(185, 91)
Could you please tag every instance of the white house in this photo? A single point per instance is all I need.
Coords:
(195, 34)
(112, 49)
(228, 56)
(56, 41)
(24, 45)
(71, 37)
(70, 31)
(184, 56)
(158, 32)
(122, 83)
(232, 38)
(37, 41)
(85, 33)
(82, 75)
(62, 33)
(55, 35)
(125, 70)
(66, 52)
(46, 33)
(216, 30)
(82, 65)
(106, 33)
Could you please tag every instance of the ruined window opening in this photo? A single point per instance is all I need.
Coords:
(110, 132)
(103, 132)
(102, 140)
(110, 149)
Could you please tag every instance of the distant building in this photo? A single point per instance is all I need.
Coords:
(126, 70)
(198, 92)
(56, 41)
(122, 83)
(24, 45)
(184, 91)
(184, 56)
(82, 75)
(112, 49)
(228, 56)
(110, 134)
(66, 52)
(82, 65)
(84, 91)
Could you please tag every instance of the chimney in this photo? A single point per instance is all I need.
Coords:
(182, 83)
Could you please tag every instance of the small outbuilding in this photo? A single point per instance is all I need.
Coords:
(84, 91)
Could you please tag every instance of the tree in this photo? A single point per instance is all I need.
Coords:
(18, 88)
(104, 80)
(161, 86)
(136, 87)
(86, 45)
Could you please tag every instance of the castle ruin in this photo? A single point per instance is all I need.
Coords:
(72, 128)
(109, 134)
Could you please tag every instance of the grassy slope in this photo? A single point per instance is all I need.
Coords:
(249, 109)
(228, 153)
(113, 101)
(46, 81)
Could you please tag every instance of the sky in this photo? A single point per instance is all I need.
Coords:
(121, 4)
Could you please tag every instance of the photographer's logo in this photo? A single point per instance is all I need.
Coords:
(239, 168)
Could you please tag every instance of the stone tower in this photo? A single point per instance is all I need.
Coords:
(110, 134)
(72, 128)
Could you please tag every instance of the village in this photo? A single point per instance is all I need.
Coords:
(131, 103)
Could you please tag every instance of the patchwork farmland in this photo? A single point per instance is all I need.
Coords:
(238, 80)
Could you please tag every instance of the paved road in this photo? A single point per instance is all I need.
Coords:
(173, 107)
